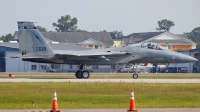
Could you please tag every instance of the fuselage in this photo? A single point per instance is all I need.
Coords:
(133, 55)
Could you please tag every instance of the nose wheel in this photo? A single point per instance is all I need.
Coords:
(135, 75)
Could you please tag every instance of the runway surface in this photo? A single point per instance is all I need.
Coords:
(103, 80)
(113, 110)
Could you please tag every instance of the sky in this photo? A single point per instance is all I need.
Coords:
(128, 16)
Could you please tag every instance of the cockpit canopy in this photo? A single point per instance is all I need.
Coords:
(151, 45)
(148, 45)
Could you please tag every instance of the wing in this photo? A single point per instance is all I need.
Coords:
(91, 52)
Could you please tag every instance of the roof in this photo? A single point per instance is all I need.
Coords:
(157, 37)
(139, 37)
(77, 37)
(172, 41)
(183, 35)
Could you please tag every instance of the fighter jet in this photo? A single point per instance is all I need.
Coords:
(34, 48)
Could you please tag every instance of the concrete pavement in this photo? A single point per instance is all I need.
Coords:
(103, 80)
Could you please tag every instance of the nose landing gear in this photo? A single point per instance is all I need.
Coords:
(135, 75)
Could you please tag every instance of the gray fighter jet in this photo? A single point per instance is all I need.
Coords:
(33, 47)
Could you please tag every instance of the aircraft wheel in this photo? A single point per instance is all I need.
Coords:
(78, 74)
(85, 74)
(135, 76)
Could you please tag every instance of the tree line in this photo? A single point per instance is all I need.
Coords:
(68, 24)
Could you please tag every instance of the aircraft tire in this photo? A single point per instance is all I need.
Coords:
(85, 74)
(135, 76)
(78, 74)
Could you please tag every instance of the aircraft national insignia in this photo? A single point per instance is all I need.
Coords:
(37, 37)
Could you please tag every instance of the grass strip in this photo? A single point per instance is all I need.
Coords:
(19, 95)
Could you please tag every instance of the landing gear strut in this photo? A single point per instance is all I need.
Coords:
(135, 75)
(82, 73)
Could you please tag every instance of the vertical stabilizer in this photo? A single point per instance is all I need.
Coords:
(31, 40)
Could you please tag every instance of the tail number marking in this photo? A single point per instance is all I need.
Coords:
(40, 48)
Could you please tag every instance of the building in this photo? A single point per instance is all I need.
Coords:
(167, 40)
(117, 42)
(196, 53)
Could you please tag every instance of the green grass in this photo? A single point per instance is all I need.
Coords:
(19, 95)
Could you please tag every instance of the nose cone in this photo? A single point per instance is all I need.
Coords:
(186, 59)
(175, 57)
(190, 59)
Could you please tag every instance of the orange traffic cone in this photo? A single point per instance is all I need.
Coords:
(54, 103)
(10, 75)
(132, 103)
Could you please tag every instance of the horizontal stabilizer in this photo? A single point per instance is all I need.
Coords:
(27, 57)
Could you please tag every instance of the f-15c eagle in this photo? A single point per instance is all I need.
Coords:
(33, 47)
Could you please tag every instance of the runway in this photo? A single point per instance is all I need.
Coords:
(103, 80)
(111, 110)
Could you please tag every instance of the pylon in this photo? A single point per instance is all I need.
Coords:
(10, 75)
(54, 103)
(132, 103)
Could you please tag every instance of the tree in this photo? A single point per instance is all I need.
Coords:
(194, 35)
(165, 25)
(41, 29)
(115, 34)
(103, 31)
(7, 38)
(79, 30)
(66, 24)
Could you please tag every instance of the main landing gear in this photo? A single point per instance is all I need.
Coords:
(82, 73)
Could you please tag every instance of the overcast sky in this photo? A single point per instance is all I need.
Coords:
(128, 16)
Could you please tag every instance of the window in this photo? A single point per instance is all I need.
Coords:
(169, 47)
(96, 46)
(43, 67)
(85, 46)
(33, 67)
(107, 46)
(70, 66)
(90, 46)
(55, 66)
(95, 66)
